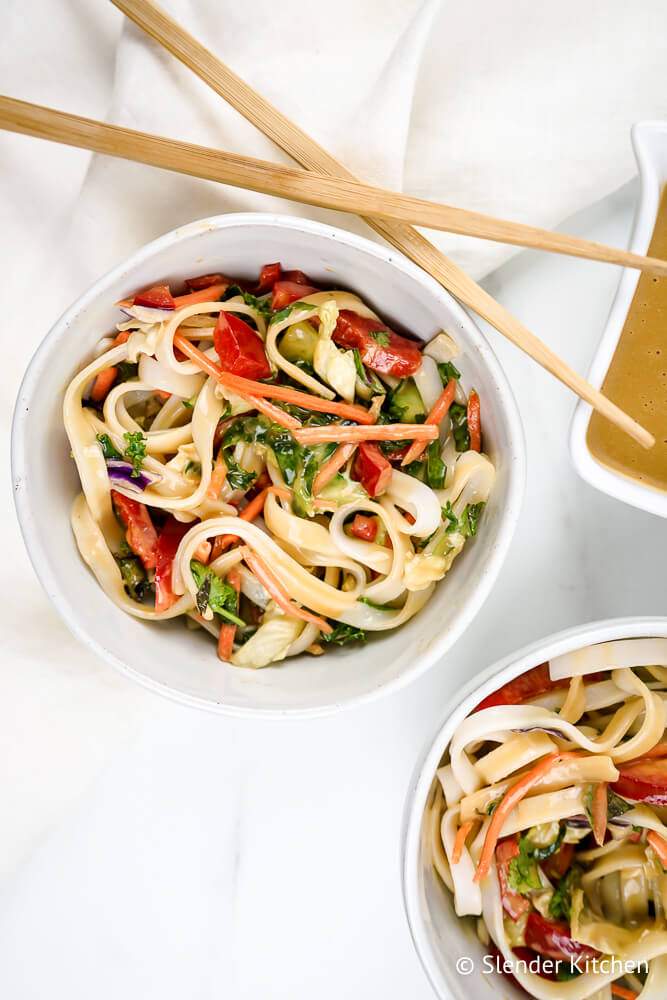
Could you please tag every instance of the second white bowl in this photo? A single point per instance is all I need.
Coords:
(182, 664)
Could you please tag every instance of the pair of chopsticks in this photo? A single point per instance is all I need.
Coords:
(328, 184)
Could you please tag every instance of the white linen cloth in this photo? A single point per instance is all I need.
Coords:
(518, 109)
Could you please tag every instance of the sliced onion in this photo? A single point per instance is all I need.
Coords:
(609, 656)
(428, 382)
(147, 315)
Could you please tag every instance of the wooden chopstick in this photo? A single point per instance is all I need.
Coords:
(276, 126)
(308, 187)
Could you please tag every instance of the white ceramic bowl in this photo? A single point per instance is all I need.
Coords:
(169, 658)
(649, 140)
(440, 937)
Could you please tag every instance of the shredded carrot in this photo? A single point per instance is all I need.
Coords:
(248, 388)
(620, 991)
(210, 294)
(378, 432)
(459, 842)
(278, 592)
(599, 811)
(102, 384)
(510, 801)
(659, 845)
(333, 465)
(249, 513)
(218, 478)
(437, 414)
(474, 422)
(106, 378)
(228, 629)
(202, 552)
(274, 413)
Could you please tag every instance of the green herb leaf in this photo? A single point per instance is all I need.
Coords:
(126, 370)
(447, 371)
(522, 873)
(282, 314)
(193, 469)
(616, 806)
(342, 634)
(135, 451)
(470, 519)
(215, 593)
(451, 518)
(134, 577)
(459, 418)
(109, 450)
(561, 901)
(436, 470)
(237, 477)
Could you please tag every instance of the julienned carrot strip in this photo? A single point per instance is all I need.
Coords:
(659, 845)
(437, 414)
(509, 801)
(106, 378)
(249, 388)
(210, 294)
(250, 513)
(333, 465)
(278, 592)
(379, 432)
(274, 413)
(228, 630)
(459, 842)
(620, 991)
(218, 477)
(102, 384)
(599, 812)
(474, 422)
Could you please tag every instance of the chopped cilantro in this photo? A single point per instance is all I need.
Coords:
(522, 873)
(343, 634)
(470, 519)
(237, 477)
(136, 450)
(448, 371)
(215, 593)
(126, 371)
(108, 448)
(561, 901)
(134, 576)
(449, 516)
(459, 418)
(616, 806)
(282, 314)
(436, 470)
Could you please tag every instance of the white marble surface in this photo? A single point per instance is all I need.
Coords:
(204, 857)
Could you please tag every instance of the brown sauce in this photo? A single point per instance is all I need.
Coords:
(637, 377)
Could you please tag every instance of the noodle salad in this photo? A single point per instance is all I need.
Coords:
(273, 463)
(546, 822)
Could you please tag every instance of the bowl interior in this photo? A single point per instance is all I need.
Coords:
(181, 662)
(439, 935)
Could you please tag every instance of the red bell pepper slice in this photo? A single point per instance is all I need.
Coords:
(643, 781)
(529, 685)
(364, 527)
(167, 544)
(239, 348)
(141, 534)
(157, 297)
(204, 281)
(371, 469)
(268, 276)
(286, 292)
(381, 349)
(552, 938)
(514, 903)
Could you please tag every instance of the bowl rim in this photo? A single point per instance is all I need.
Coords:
(603, 478)
(508, 516)
(483, 684)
